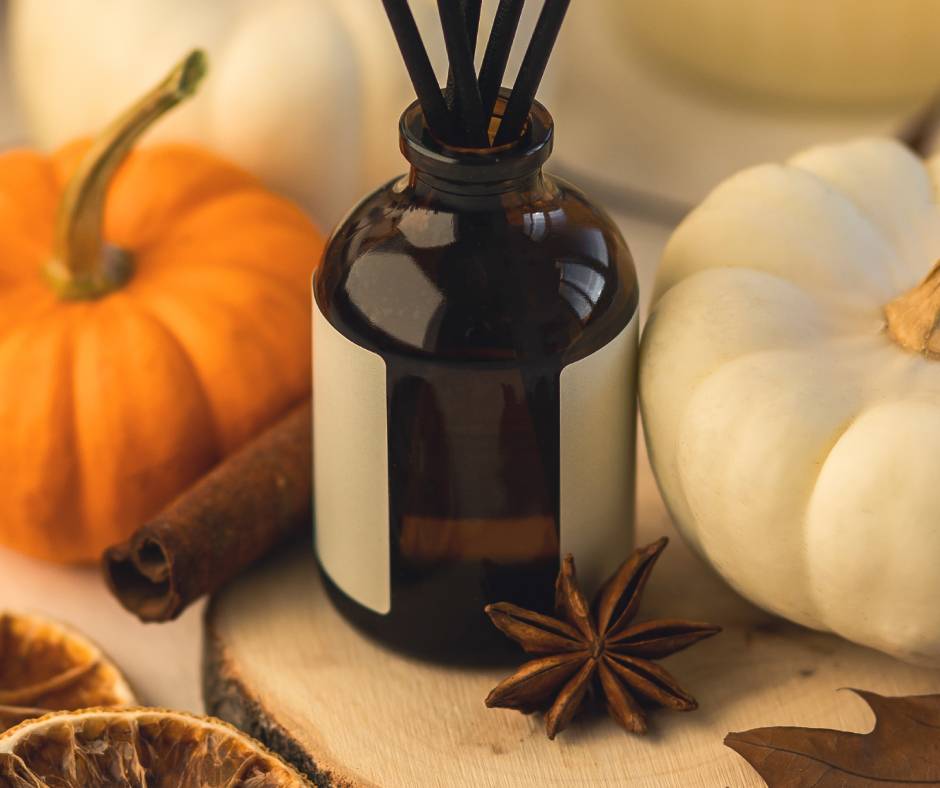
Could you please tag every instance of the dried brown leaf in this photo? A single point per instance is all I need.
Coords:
(902, 749)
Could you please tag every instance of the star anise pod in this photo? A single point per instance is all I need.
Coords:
(581, 651)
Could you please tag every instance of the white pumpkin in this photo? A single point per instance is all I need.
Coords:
(790, 390)
(305, 93)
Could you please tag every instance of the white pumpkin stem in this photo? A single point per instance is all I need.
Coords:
(83, 266)
(913, 319)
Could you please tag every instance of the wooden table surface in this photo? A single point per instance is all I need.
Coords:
(284, 665)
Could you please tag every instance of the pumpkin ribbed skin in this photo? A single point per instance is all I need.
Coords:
(792, 437)
(111, 407)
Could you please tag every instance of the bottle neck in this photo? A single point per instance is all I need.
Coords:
(424, 183)
(469, 176)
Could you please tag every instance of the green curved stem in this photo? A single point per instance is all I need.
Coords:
(83, 266)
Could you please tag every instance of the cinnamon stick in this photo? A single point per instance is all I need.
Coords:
(230, 518)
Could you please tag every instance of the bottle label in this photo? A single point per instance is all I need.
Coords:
(350, 465)
(596, 443)
(598, 455)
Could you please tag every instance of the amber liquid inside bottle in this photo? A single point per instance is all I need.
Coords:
(476, 279)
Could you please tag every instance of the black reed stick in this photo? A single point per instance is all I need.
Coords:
(419, 67)
(497, 52)
(472, 10)
(531, 71)
(470, 120)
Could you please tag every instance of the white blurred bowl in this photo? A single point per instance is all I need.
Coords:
(820, 51)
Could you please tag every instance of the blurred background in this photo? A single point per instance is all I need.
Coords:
(655, 102)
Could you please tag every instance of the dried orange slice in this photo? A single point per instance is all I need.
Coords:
(137, 748)
(45, 666)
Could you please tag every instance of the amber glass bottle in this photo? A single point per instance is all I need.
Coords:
(474, 355)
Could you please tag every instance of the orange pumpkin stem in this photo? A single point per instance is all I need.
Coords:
(83, 266)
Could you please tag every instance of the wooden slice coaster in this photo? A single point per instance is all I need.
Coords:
(283, 665)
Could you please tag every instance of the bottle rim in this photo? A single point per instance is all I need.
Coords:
(427, 154)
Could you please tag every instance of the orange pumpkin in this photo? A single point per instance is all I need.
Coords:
(130, 365)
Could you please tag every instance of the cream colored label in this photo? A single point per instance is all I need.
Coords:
(350, 465)
(598, 454)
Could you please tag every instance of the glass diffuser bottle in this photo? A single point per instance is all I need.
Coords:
(475, 333)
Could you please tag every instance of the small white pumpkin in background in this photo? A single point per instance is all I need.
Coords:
(790, 390)
(304, 93)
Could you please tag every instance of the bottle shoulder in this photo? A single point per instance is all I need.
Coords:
(521, 276)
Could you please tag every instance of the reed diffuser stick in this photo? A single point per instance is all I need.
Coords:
(419, 67)
(472, 9)
(496, 56)
(532, 70)
(471, 120)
